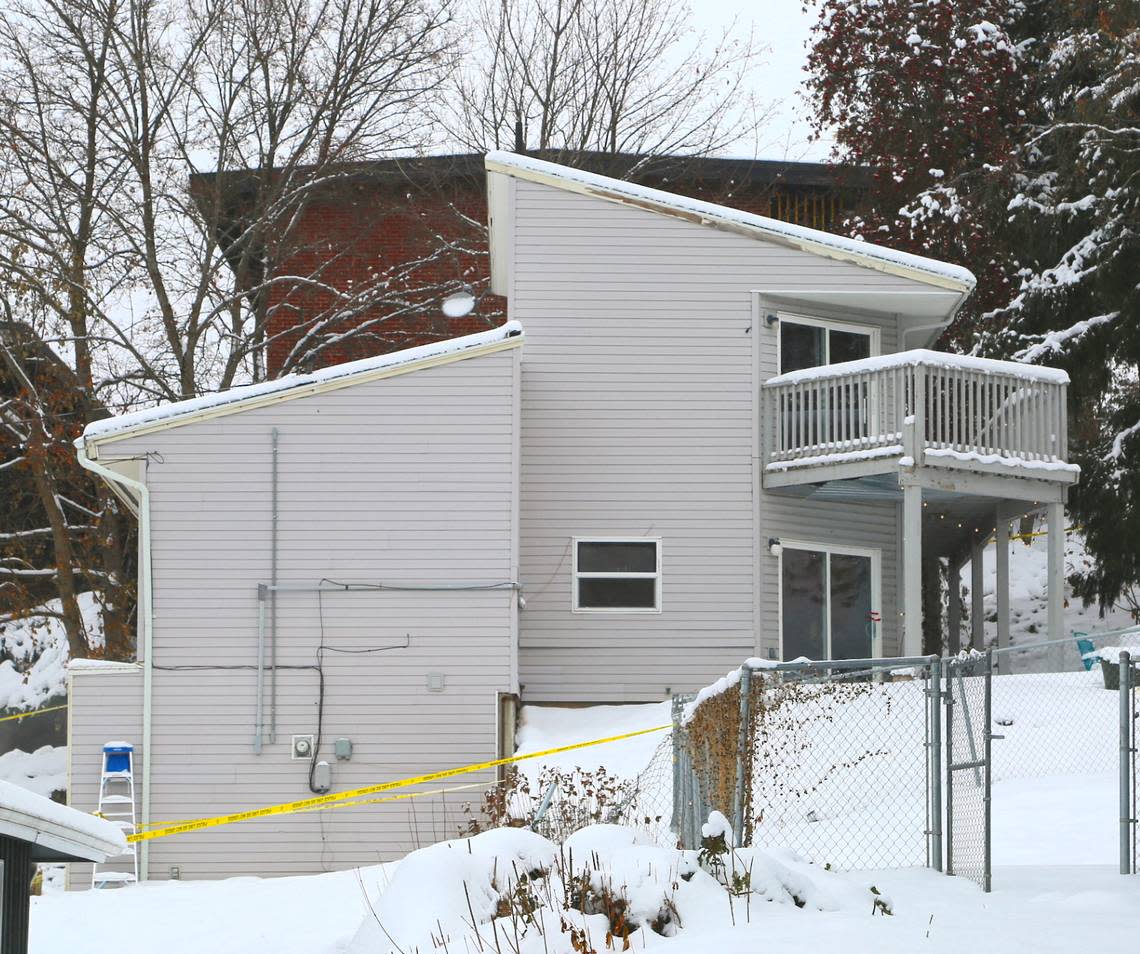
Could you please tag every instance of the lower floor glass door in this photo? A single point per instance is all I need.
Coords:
(829, 603)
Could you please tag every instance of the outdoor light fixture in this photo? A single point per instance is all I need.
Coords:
(771, 318)
(774, 546)
(460, 304)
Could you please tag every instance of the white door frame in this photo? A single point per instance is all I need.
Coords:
(876, 557)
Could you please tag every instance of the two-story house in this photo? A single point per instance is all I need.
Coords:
(703, 435)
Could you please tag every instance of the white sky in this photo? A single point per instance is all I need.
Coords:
(784, 28)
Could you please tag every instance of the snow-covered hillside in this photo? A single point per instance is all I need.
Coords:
(34, 655)
(1028, 561)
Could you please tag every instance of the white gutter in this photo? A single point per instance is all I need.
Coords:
(142, 493)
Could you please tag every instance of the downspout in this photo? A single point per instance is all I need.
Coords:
(938, 325)
(142, 493)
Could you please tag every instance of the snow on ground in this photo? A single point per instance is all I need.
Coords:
(1042, 909)
(34, 654)
(548, 727)
(43, 771)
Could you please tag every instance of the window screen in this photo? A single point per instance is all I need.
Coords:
(617, 575)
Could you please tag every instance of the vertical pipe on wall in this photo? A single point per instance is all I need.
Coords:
(259, 705)
(273, 596)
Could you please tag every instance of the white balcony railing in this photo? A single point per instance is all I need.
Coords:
(964, 411)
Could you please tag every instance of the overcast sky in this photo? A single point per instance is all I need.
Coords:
(783, 27)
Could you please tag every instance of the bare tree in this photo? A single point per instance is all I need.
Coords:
(609, 76)
(144, 288)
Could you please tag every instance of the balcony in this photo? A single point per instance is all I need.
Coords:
(954, 418)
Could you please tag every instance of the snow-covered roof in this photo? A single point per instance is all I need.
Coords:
(298, 385)
(928, 270)
(56, 828)
(102, 665)
(930, 359)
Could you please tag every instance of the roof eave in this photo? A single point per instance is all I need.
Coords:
(91, 443)
(728, 224)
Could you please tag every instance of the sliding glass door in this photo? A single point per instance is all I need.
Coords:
(829, 602)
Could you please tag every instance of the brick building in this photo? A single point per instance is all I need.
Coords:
(371, 251)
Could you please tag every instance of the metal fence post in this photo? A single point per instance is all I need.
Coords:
(743, 742)
(1125, 667)
(987, 876)
(675, 819)
(934, 681)
(948, 699)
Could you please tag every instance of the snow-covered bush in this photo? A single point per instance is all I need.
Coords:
(604, 888)
(579, 798)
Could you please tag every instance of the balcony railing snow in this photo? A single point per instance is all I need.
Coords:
(964, 412)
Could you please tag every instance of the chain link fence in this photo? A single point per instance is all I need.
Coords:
(859, 764)
(833, 761)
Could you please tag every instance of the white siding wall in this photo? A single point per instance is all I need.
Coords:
(104, 705)
(402, 480)
(638, 397)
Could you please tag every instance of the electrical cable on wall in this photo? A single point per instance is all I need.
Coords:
(321, 649)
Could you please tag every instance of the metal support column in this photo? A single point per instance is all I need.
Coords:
(1056, 584)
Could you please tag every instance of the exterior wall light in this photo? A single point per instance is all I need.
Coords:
(774, 546)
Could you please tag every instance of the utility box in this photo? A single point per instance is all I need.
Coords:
(343, 749)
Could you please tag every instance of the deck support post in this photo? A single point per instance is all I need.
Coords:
(1001, 541)
(977, 596)
(912, 570)
(954, 610)
(1056, 586)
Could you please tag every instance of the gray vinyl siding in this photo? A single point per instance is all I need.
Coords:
(104, 705)
(639, 391)
(405, 480)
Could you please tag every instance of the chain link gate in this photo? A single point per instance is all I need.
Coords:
(968, 697)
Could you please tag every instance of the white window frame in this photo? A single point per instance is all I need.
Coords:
(830, 324)
(623, 610)
(876, 556)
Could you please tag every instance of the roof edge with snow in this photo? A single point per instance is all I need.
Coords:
(930, 271)
(929, 359)
(56, 829)
(292, 386)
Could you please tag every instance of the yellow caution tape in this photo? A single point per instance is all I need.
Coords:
(364, 801)
(402, 796)
(321, 800)
(24, 715)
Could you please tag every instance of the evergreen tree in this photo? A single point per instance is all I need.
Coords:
(926, 96)
(1074, 217)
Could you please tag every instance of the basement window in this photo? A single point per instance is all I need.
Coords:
(615, 575)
